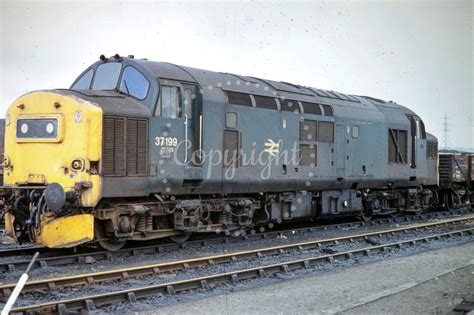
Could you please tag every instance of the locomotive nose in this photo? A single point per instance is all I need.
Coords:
(54, 137)
(53, 143)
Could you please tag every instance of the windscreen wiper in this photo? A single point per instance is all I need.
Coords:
(126, 87)
(119, 90)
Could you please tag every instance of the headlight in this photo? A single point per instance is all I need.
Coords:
(37, 128)
(50, 128)
(24, 128)
(7, 119)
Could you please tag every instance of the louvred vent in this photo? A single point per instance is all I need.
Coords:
(125, 148)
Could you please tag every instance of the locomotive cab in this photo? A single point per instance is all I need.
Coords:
(162, 144)
(173, 104)
(106, 137)
(122, 76)
(54, 150)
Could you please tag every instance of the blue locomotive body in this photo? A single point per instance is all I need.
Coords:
(188, 150)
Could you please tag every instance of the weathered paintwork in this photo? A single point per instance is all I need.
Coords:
(66, 231)
(346, 166)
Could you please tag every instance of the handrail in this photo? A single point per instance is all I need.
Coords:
(186, 138)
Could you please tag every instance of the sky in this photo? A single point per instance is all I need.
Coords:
(417, 53)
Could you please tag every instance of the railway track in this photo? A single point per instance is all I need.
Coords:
(91, 302)
(22, 250)
(65, 257)
(185, 265)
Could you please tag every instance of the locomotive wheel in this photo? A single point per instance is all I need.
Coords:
(181, 238)
(402, 203)
(166, 223)
(448, 200)
(101, 236)
(366, 215)
(434, 200)
(111, 246)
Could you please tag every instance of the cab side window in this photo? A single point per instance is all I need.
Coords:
(421, 127)
(188, 101)
(417, 127)
(169, 105)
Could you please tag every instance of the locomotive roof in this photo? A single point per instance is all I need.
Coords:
(210, 81)
(240, 83)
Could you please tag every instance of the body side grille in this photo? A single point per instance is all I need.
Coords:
(125, 147)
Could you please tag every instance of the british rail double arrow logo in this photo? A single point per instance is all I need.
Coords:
(271, 147)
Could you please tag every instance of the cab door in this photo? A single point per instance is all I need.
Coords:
(178, 123)
(167, 133)
(176, 130)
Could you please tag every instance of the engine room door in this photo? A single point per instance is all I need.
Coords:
(340, 150)
(192, 113)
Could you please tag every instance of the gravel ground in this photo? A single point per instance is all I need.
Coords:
(448, 291)
(429, 282)
(158, 301)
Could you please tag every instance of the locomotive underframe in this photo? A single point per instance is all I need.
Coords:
(172, 216)
(157, 216)
(162, 218)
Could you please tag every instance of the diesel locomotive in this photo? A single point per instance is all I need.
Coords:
(139, 150)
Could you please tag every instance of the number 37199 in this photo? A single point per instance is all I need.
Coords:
(166, 141)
